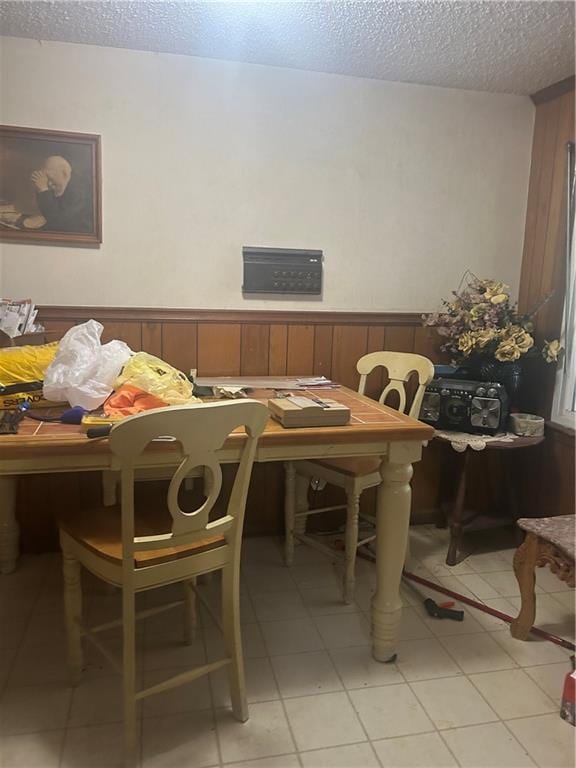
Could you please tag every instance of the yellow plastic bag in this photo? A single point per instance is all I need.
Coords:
(24, 366)
(158, 378)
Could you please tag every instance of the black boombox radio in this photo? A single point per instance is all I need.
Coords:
(465, 406)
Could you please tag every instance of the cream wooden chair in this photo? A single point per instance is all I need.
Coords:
(354, 475)
(138, 553)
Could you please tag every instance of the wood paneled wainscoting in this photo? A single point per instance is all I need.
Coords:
(251, 343)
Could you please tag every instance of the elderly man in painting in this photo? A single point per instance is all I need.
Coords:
(63, 200)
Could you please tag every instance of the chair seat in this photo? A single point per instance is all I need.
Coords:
(354, 467)
(100, 531)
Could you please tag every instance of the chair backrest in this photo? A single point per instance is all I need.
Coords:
(400, 366)
(201, 430)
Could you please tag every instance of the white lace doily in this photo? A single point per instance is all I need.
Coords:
(462, 440)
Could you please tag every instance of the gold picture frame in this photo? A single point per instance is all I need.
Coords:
(50, 187)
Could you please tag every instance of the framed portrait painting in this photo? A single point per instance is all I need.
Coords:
(50, 187)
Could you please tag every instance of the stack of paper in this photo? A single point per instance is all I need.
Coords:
(18, 317)
(304, 412)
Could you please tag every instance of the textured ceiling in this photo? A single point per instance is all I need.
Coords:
(512, 46)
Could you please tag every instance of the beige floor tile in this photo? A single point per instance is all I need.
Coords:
(94, 747)
(478, 586)
(505, 583)
(548, 739)
(388, 711)
(511, 693)
(454, 584)
(6, 661)
(96, 702)
(424, 660)
(186, 698)
(487, 562)
(425, 750)
(529, 653)
(268, 578)
(327, 720)
(322, 574)
(326, 600)
(180, 740)
(38, 664)
(414, 625)
(291, 636)
(278, 606)
(265, 734)
(353, 756)
(550, 677)
(453, 702)
(491, 622)
(443, 627)
(12, 631)
(343, 630)
(567, 599)
(487, 746)
(164, 652)
(358, 668)
(551, 583)
(32, 750)
(19, 602)
(477, 653)
(260, 683)
(34, 708)
(252, 642)
(305, 674)
(284, 761)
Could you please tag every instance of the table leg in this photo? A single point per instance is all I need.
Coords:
(392, 524)
(8, 526)
(458, 513)
(524, 567)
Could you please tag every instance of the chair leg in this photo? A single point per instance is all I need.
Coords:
(289, 511)
(73, 614)
(233, 641)
(190, 614)
(352, 512)
(129, 677)
(524, 566)
(301, 503)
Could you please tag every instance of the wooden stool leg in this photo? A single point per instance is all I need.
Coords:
(190, 613)
(129, 677)
(352, 512)
(289, 511)
(233, 641)
(524, 566)
(73, 614)
(458, 513)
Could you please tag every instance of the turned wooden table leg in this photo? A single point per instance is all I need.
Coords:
(458, 513)
(524, 567)
(392, 523)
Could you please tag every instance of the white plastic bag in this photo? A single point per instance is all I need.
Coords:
(84, 370)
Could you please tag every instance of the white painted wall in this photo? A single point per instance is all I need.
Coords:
(404, 187)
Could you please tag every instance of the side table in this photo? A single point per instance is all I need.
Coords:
(452, 507)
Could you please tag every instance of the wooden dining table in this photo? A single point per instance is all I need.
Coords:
(373, 430)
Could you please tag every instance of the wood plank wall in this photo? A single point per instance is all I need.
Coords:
(543, 272)
(236, 343)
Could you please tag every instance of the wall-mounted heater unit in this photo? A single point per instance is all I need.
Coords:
(282, 270)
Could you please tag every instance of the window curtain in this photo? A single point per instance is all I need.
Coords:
(566, 384)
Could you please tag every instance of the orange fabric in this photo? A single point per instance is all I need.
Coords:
(128, 400)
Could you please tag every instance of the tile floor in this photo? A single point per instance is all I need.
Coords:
(460, 694)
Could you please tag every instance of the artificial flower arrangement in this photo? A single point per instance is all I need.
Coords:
(481, 321)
